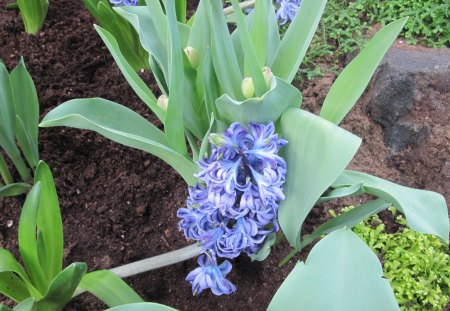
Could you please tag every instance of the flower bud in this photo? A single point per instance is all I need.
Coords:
(192, 55)
(163, 102)
(247, 87)
(268, 75)
(217, 139)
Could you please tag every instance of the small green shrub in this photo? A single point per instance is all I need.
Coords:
(416, 264)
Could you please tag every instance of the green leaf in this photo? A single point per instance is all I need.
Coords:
(11, 190)
(4, 171)
(8, 264)
(33, 14)
(26, 305)
(62, 288)
(27, 238)
(27, 143)
(222, 52)
(109, 288)
(141, 19)
(297, 38)
(180, 7)
(281, 96)
(340, 274)
(143, 306)
(342, 192)
(251, 58)
(7, 124)
(121, 125)
(173, 125)
(26, 100)
(136, 83)
(12, 286)
(49, 223)
(425, 211)
(352, 81)
(348, 219)
(316, 154)
(264, 32)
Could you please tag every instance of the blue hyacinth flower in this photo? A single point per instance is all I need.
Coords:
(234, 206)
(287, 10)
(210, 275)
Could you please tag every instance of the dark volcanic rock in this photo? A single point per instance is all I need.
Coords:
(409, 79)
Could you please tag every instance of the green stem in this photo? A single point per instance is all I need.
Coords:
(244, 5)
(280, 237)
(152, 263)
(12, 6)
(4, 171)
(310, 238)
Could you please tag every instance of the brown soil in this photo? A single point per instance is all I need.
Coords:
(119, 204)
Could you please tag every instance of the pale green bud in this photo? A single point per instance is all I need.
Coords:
(247, 87)
(216, 139)
(268, 75)
(163, 102)
(192, 55)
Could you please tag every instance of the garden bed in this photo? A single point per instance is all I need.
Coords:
(119, 204)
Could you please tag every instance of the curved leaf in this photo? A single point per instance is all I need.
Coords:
(13, 287)
(316, 154)
(14, 189)
(269, 107)
(109, 288)
(352, 81)
(121, 125)
(425, 211)
(340, 274)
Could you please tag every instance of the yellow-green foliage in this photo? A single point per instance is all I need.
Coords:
(416, 264)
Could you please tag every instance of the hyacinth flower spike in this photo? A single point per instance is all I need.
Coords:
(124, 2)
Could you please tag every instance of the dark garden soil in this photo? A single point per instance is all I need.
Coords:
(119, 204)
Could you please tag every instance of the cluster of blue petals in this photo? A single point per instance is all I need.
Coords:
(234, 206)
(124, 2)
(287, 10)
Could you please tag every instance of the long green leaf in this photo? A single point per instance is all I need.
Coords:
(33, 14)
(62, 288)
(26, 305)
(109, 288)
(13, 287)
(180, 7)
(222, 52)
(121, 125)
(137, 84)
(340, 274)
(296, 41)
(27, 238)
(11, 190)
(251, 58)
(26, 99)
(174, 125)
(263, 109)
(425, 211)
(143, 306)
(264, 32)
(9, 264)
(316, 154)
(352, 81)
(49, 222)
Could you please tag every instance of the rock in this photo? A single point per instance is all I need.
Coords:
(410, 84)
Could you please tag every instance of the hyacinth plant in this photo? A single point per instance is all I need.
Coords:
(255, 163)
(19, 118)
